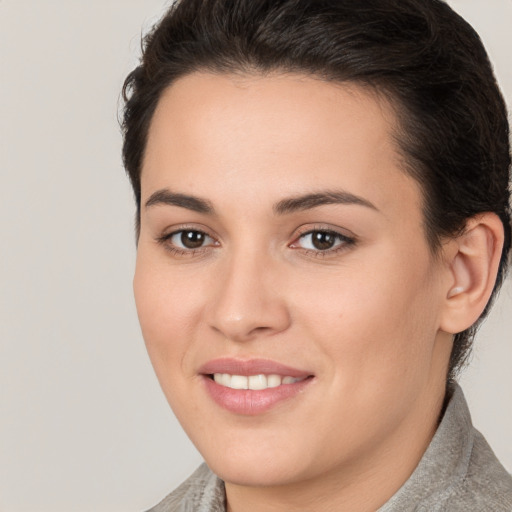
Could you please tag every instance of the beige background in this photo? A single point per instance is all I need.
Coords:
(83, 424)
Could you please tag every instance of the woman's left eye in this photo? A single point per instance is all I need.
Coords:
(322, 241)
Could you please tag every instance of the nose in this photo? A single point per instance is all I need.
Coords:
(249, 301)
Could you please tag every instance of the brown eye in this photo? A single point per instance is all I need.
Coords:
(320, 240)
(323, 240)
(190, 239)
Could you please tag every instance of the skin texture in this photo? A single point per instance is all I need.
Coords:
(370, 320)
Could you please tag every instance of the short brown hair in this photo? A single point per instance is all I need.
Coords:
(429, 62)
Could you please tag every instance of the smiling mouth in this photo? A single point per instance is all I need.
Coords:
(252, 386)
(254, 393)
(254, 382)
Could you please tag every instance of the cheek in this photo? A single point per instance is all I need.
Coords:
(167, 308)
(376, 318)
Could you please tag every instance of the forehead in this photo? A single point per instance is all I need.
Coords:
(270, 134)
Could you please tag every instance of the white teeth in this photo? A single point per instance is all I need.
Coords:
(254, 382)
(273, 381)
(225, 379)
(258, 382)
(239, 382)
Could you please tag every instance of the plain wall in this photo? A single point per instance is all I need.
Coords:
(83, 423)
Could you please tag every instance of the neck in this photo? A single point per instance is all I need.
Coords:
(363, 485)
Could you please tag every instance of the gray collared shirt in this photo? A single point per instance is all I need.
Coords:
(458, 473)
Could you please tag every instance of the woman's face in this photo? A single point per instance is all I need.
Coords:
(282, 248)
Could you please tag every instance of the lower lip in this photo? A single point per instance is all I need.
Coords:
(252, 402)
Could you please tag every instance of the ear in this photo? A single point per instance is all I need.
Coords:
(473, 262)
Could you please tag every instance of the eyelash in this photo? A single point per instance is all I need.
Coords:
(165, 240)
(345, 242)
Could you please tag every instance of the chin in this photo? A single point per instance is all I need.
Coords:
(256, 472)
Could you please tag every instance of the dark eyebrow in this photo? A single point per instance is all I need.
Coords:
(165, 196)
(308, 201)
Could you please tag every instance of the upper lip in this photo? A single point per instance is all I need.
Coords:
(251, 367)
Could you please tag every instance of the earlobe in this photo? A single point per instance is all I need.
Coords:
(473, 267)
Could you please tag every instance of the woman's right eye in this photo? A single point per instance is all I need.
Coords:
(186, 240)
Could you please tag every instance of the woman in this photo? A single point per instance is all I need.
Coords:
(323, 220)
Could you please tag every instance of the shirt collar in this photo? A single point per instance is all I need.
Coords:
(446, 461)
(443, 465)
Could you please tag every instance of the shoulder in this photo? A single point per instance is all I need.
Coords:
(486, 486)
(201, 492)
(459, 471)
